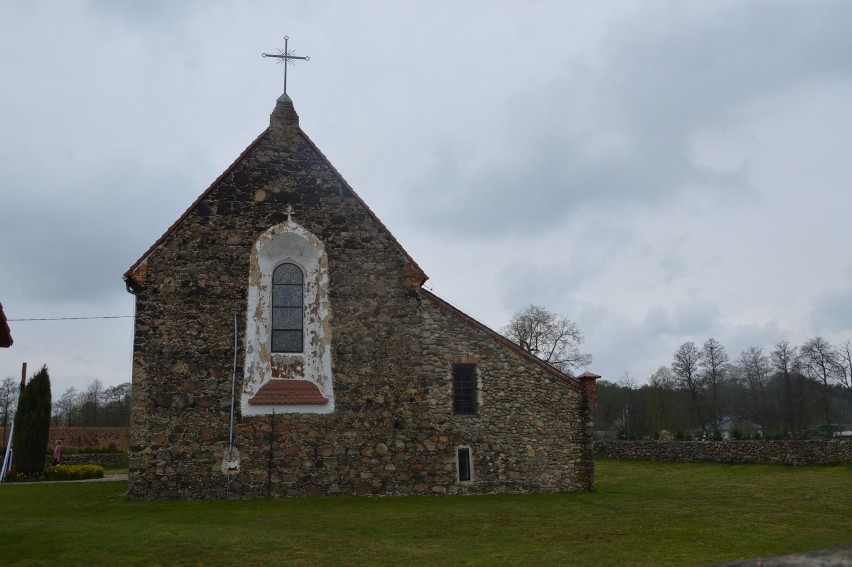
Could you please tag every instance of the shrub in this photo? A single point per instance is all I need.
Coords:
(32, 425)
(664, 435)
(89, 450)
(73, 472)
(15, 476)
(683, 435)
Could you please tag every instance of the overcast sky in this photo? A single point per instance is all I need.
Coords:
(658, 172)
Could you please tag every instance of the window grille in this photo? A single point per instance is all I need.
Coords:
(288, 284)
(464, 389)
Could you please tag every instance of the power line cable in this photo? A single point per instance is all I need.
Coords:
(75, 318)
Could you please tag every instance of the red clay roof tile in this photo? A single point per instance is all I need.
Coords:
(288, 392)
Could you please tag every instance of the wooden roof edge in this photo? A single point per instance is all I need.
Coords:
(501, 340)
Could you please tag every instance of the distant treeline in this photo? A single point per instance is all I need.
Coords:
(96, 406)
(791, 391)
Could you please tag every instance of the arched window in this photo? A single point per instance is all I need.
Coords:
(288, 325)
(288, 283)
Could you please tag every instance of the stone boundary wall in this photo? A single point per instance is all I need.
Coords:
(86, 437)
(792, 452)
(106, 460)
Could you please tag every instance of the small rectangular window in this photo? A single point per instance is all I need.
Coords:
(464, 389)
(465, 469)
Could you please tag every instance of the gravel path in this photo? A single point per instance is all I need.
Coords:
(834, 557)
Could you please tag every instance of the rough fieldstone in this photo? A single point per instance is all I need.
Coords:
(787, 452)
(393, 347)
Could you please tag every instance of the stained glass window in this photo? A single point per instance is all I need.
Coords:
(288, 284)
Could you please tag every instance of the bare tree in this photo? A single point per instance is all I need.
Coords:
(9, 390)
(551, 337)
(685, 367)
(662, 382)
(754, 368)
(844, 354)
(117, 405)
(92, 403)
(785, 360)
(96, 405)
(820, 362)
(627, 381)
(64, 407)
(714, 361)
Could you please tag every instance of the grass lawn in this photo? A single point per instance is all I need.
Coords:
(642, 514)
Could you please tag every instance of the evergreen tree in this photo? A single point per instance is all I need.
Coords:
(32, 425)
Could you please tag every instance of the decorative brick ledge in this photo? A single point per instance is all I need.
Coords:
(283, 392)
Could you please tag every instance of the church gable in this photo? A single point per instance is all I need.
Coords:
(281, 168)
(284, 345)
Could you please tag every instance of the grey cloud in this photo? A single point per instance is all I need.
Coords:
(148, 15)
(547, 178)
(693, 319)
(702, 64)
(75, 245)
(832, 310)
(619, 134)
(673, 267)
(547, 155)
(550, 273)
(526, 283)
(620, 344)
(741, 337)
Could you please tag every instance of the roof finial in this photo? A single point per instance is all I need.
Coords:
(286, 57)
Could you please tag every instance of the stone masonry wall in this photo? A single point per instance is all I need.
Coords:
(529, 432)
(788, 452)
(392, 431)
(193, 287)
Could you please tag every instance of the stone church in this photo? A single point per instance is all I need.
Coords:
(284, 346)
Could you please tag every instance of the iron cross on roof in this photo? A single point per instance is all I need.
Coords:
(286, 57)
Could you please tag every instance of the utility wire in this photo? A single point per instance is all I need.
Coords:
(76, 318)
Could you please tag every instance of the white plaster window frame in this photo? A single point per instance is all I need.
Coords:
(288, 242)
